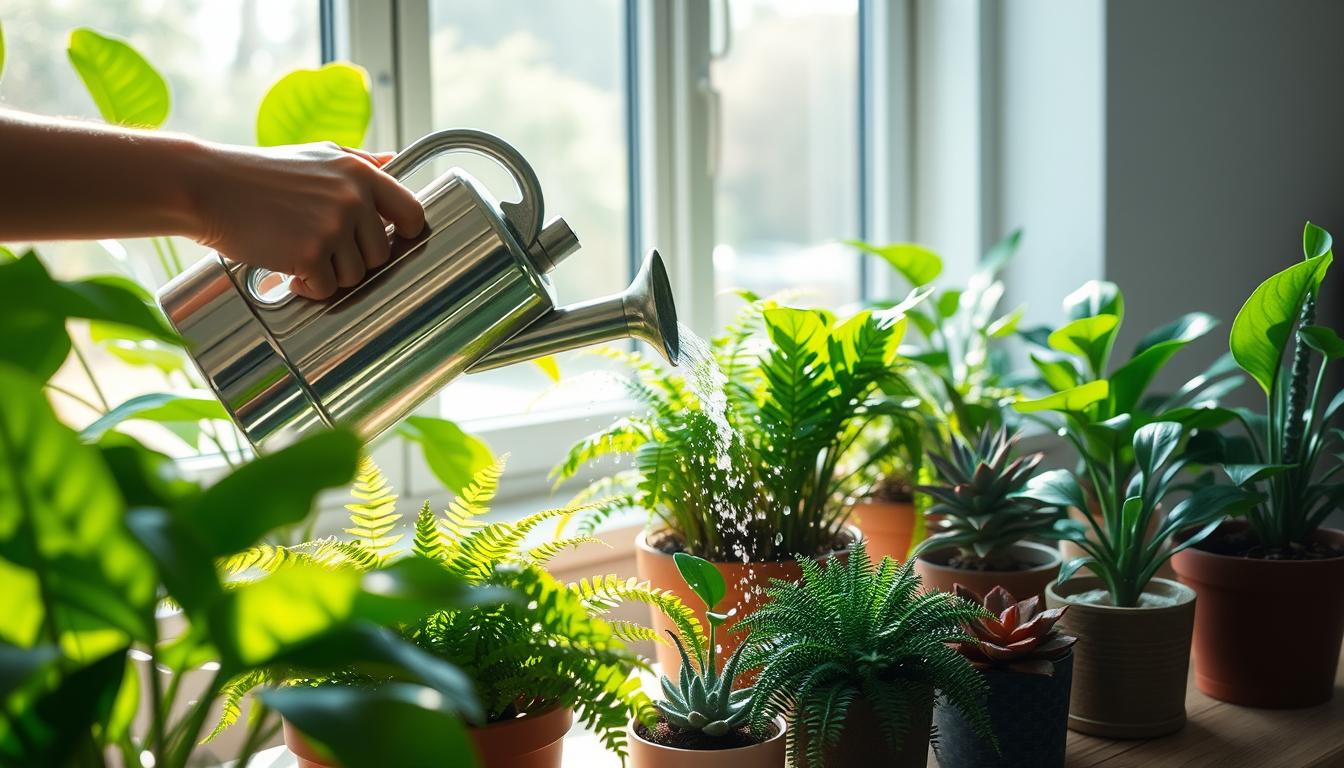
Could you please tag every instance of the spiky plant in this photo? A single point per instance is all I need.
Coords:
(979, 504)
(551, 648)
(1017, 635)
(702, 699)
(850, 631)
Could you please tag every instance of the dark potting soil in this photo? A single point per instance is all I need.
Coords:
(982, 564)
(1243, 543)
(893, 489)
(665, 735)
(670, 544)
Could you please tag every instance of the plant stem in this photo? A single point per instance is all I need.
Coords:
(172, 251)
(84, 363)
(77, 398)
(168, 272)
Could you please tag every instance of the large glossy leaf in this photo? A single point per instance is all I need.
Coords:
(1155, 443)
(1243, 475)
(327, 104)
(58, 724)
(1315, 241)
(1056, 488)
(1323, 340)
(1262, 328)
(1095, 297)
(1074, 400)
(272, 492)
(702, 577)
(162, 407)
(338, 719)
(125, 87)
(135, 347)
(1057, 371)
(917, 264)
(1088, 337)
(452, 455)
(184, 562)
(61, 518)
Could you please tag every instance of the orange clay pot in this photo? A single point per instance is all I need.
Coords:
(888, 527)
(768, 754)
(936, 574)
(536, 741)
(746, 588)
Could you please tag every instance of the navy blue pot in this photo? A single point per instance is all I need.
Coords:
(1030, 715)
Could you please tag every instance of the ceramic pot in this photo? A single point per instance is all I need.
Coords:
(770, 753)
(863, 743)
(936, 574)
(1130, 664)
(305, 755)
(1030, 717)
(888, 527)
(535, 741)
(746, 588)
(1289, 656)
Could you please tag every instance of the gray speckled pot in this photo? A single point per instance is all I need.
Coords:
(1030, 715)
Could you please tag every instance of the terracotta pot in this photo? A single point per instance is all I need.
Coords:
(535, 741)
(1030, 717)
(1287, 655)
(306, 756)
(888, 527)
(1130, 664)
(770, 753)
(863, 743)
(936, 574)
(746, 588)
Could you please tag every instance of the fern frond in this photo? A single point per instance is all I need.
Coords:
(603, 593)
(621, 437)
(542, 553)
(231, 700)
(631, 632)
(374, 513)
(463, 512)
(428, 540)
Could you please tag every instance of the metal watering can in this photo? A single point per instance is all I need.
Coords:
(467, 294)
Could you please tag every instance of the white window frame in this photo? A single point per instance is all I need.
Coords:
(674, 136)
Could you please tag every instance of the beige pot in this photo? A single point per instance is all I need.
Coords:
(746, 584)
(888, 527)
(770, 753)
(1130, 664)
(936, 574)
(535, 741)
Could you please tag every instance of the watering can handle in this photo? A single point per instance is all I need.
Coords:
(525, 215)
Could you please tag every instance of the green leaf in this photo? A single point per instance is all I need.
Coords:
(1058, 373)
(59, 723)
(327, 104)
(1089, 337)
(185, 565)
(2, 49)
(126, 88)
(418, 720)
(1056, 488)
(948, 302)
(1005, 326)
(1243, 475)
(1071, 567)
(162, 407)
(135, 347)
(1095, 297)
(452, 455)
(1323, 340)
(18, 665)
(1315, 241)
(702, 577)
(1074, 400)
(274, 491)
(1155, 443)
(999, 254)
(1261, 330)
(917, 264)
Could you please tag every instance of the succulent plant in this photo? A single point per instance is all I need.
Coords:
(982, 513)
(1022, 638)
(703, 699)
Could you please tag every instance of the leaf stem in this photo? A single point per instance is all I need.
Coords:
(88, 371)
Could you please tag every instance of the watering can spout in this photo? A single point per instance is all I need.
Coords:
(643, 311)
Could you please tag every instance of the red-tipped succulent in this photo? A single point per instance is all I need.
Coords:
(1021, 637)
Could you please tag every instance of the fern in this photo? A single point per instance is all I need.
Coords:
(851, 631)
(428, 541)
(542, 553)
(373, 515)
(231, 700)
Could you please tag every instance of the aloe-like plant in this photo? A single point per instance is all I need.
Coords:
(1290, 455)
(980, 503)
(703, 699)
(1018, 636)
(550, 648)
(800, 388)
(850, 631)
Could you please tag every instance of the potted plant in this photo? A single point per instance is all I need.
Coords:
(1028, 666)
(740, 462)
(535, 663)
(983, 521)
(703, 715)
(957, 363)
(852, 655)
(1280, 558)
(97, 667)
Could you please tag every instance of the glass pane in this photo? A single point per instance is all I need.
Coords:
(787, 189)
(548, 76)
(219, 58)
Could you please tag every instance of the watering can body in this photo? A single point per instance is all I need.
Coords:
(469, 292)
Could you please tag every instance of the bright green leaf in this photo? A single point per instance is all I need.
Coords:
(327, 104)
(1074, 400)
(452, 455)
(1261, 330)
(1006, 325)
(162, 407)
(1058, 373)
(1315, 241)
(1323, 340)
(1095, 297)
(1129, 381)
(702, 577)
(126, 88)
(917, 264)
(948, 302)
(1089, 337)
(2, 49)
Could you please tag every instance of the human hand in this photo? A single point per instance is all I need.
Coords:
(314, 211)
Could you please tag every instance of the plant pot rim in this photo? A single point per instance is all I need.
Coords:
(781, 728)
(1053, 559)
(642, 542)
(529, 732)
(1195, 551)
(1078, 584)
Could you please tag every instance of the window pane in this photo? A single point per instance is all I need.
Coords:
(548, 76)
(219, 58)
(787, 189)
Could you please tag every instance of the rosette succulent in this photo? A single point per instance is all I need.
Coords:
(1019, 637)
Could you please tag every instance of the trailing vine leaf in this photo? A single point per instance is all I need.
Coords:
(331, 103)
(125, 87)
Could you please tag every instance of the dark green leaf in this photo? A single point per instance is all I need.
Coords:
(1155, 443)
(1243, 475)
(125, 87)
(452, 455)
(702, 577)
(18, 665)
(1261, 330)
(1056, 488)
(1323, 340)
(999, 254)
(1071, 567)
(60, 722)
(185, 564)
